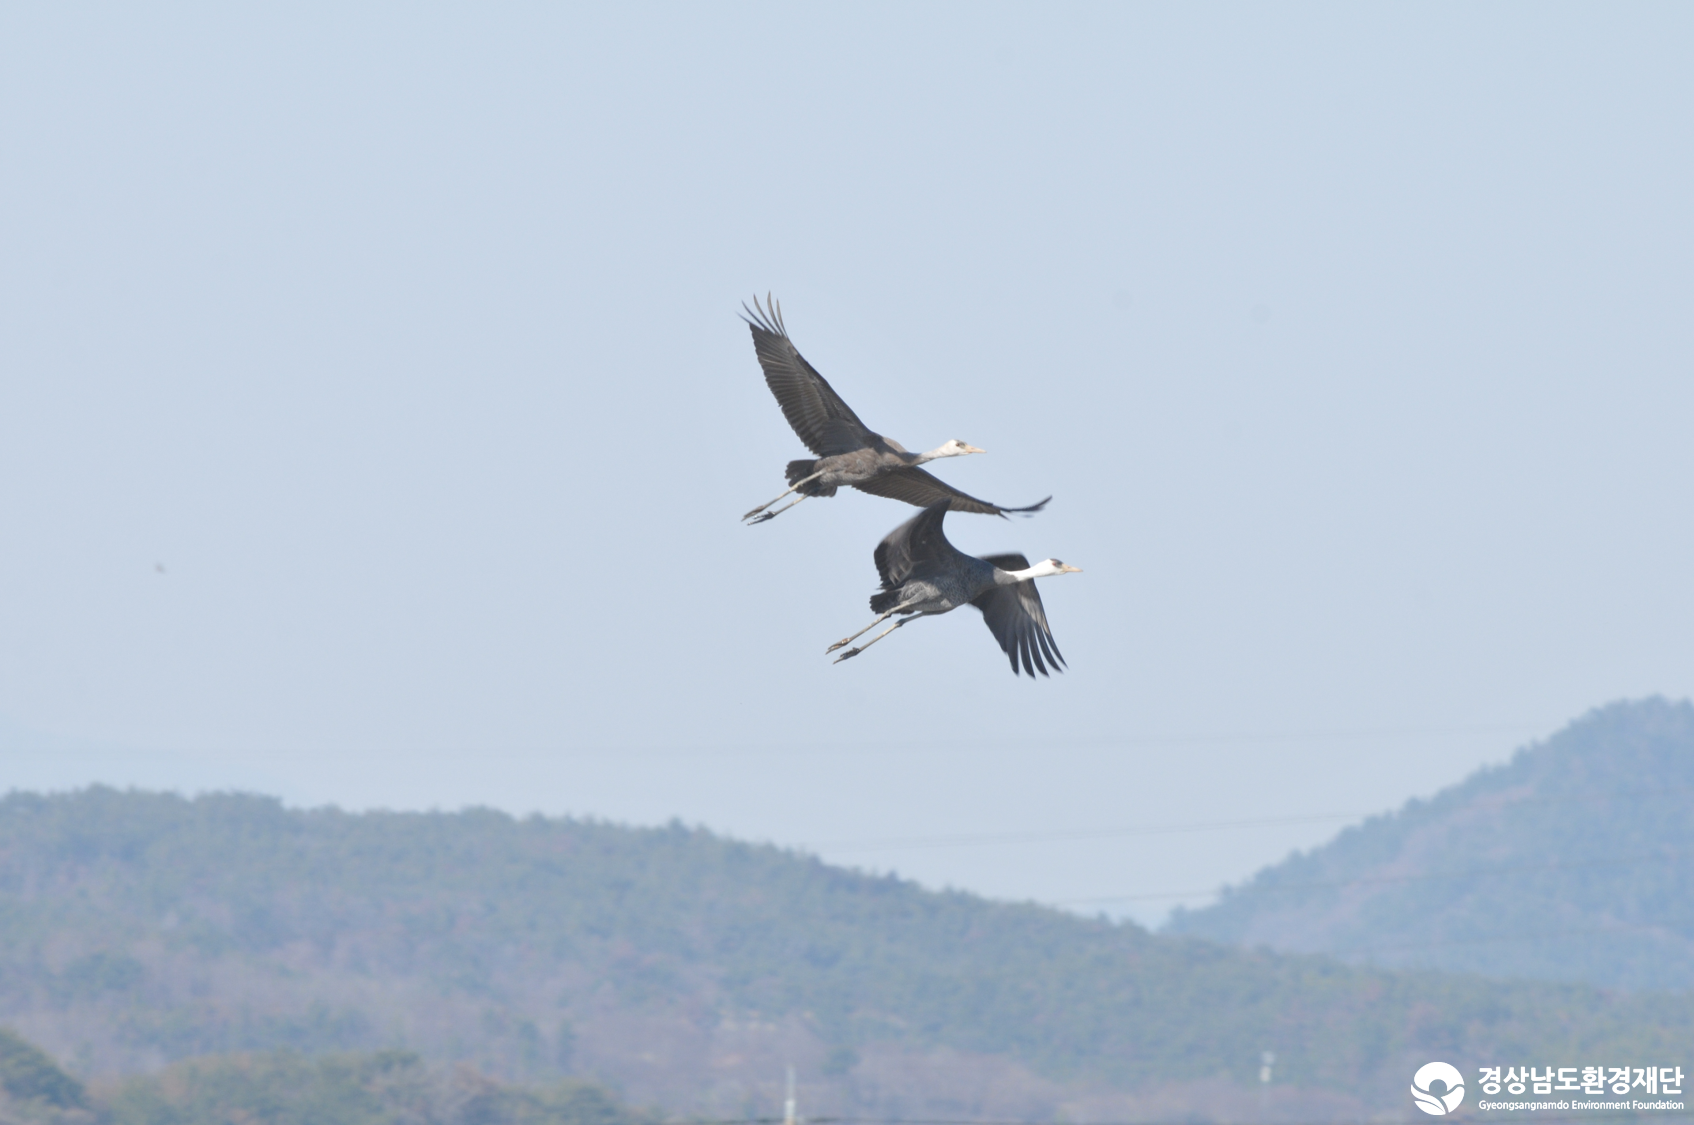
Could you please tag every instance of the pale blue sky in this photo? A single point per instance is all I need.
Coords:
(1354, 343)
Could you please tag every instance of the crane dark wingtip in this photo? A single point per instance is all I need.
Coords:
(763, 319)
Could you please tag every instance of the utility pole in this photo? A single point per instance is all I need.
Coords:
(788, 1105)
(1266, 1061)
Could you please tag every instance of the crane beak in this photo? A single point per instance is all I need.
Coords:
(1064, 569)
(974, 449)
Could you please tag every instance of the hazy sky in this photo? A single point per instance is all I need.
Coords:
(375, 417)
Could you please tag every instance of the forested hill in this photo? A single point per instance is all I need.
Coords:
(1574, 861)
(687, 969)
(285, 1088)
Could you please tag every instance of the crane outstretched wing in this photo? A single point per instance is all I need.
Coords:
(915, 486)
(914, 543)
(825, 423)
(1015, 616)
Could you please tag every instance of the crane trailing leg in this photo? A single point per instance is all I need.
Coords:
(880, 618)
(791, 488)
(873, 640)
(778, 512)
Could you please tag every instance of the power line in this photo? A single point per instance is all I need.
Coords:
(1079, 834)
(1062, 835)
(1385, 879)
(1125, 741)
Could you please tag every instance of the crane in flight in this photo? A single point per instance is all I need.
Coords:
(848, 451)
(924, 575)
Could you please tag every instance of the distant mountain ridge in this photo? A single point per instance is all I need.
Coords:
(687, 971)
(1574, 861)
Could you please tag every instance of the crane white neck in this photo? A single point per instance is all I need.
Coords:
(950, 449)
(1043, 569)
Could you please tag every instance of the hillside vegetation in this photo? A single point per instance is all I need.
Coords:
(686, 969)
(382, 1088)
(1574, 861)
